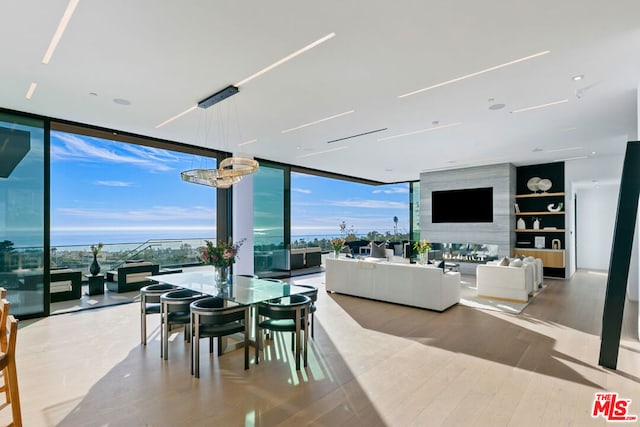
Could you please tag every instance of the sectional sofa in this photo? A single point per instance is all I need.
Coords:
(408, 284)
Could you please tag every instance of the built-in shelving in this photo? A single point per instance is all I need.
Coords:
(526, 196)
(539, 213)
(533, 208)
(540, 230)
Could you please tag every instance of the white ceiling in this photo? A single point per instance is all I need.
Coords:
(165, 56)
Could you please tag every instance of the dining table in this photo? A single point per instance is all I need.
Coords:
(238, 289)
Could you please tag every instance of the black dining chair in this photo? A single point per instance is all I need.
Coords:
(312, 293)
(174, 310)
(211, 319)
(150, 304)
(287, 315)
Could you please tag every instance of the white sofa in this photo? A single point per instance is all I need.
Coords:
(538, 270)
(408, 284)
(505, 282)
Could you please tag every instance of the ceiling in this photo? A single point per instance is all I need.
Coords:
(163, 57)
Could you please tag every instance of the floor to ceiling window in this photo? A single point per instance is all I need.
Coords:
(129, 197)
(271, 220)
(321, 205)
(22, 214)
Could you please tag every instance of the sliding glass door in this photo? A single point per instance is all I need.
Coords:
(271, 228)
(23, 189)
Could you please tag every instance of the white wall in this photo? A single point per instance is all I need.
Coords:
(243, 224)
(596, 215)
(579, 176)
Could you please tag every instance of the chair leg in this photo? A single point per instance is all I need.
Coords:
(196, 353)
(165, 338)
(143, 323)
(219, 346)
(210, 344)
(306, 335)
(12, 385)
(313, 316)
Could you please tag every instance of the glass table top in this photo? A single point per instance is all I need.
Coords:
(242, 290)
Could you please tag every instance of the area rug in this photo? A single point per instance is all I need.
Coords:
(469, 298)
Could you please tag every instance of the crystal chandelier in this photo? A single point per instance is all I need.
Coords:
(232, 169)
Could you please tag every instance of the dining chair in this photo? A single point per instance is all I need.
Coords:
(4, 314)
(150, 304)
(287, 315)
(211, 319)
(8, 366)
(174, 310)
(312, 293)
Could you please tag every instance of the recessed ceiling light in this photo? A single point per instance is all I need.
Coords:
(247, 142)
(578, 77)
(537, 150)
(571, 158)
(318, 121)
(323, 152)
(452, 162)
(93, 94)
(497, 106)
(177, 116)
(121, 101)
(32, 88)
(62, 26)
(286, 58)
(564, 149)
(535, 107)
(593, 153)
(421, 131)
(477, 73)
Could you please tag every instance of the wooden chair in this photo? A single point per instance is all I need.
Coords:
(8, 366)
(4, 314)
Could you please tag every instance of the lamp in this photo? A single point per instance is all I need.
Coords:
(232, 169)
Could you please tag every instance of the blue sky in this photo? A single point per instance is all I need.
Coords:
(110, 191)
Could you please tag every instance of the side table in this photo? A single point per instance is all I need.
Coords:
(96, 284)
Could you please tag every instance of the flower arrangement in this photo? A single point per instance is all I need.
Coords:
(95, 249)
(221, 255)
(422, 246)
(337, 244)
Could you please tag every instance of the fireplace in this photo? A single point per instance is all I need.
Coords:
(464, 252)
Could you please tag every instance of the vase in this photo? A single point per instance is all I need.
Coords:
(94, 268)
(422, 258)
(221, 275)
(336, 254)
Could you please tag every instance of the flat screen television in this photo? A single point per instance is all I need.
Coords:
(465, 205)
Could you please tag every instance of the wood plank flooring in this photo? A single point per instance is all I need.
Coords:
(371, 364)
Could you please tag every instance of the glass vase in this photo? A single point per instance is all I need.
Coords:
(221, 275)
(422, 258)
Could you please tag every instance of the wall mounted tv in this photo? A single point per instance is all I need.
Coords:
(465, 205)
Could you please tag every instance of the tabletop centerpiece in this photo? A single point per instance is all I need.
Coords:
(422, 246)
(221, 256)
(337, 244)
(94, 268)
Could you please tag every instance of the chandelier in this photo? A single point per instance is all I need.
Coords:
(232, 169)
(230, 172)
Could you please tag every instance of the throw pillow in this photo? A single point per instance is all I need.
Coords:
(515, 263)
(504, 262)
(530, 259)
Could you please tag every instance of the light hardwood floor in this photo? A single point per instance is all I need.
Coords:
(370, 364)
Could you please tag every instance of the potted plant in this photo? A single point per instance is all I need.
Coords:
(94, 268)
(337, 244)
(221, 256)
(423, 247)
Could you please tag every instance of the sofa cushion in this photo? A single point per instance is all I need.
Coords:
(137, 264)
(62, 286)
(516, 263)
(378, 251)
